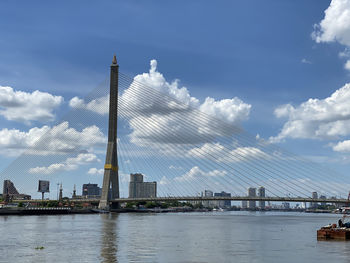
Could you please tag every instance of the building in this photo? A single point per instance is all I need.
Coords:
(323, 198)
(261, 193)
(244, 204)
(9, 188)
(286, 205)
(9, 191)
(207, 203)
(140, 189)
(314, 196)
(223, 203)
(251, 193)
(91, 191)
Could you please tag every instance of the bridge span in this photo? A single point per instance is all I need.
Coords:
(201, 198)
(230, 198)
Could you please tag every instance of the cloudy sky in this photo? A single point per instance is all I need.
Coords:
(279, 70)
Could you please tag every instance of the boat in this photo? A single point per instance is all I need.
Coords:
(332, 232)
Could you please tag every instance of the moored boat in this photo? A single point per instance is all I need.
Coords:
(332, 232)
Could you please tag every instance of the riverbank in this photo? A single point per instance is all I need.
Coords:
(43, 211)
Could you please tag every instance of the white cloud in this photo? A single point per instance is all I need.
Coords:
(46, 141)
(68, 165)
(154, 116)
(343, 146)
(99, 105)
(335, 26)
(164, 181)
(327, 118)
(218, 153)
(26, 107)
(196, 172)
(95, 171)
(305, 61)
(347, 65)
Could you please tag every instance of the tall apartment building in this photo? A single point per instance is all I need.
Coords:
(314, 196)
(251, 193)
(9, 190)
(223, 203)
(261, 193)
(91, 190)
(139, 189)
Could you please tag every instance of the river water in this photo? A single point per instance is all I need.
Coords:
(173, 237)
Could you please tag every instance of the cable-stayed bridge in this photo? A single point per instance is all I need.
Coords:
(183, 145)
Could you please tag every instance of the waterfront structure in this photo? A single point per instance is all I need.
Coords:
(261, 193)
(223, 203)
(251, 193)
(110, 178)
(140, 189)
(9, 191)
(91, 191)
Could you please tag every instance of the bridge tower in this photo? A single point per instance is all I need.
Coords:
(110, 178)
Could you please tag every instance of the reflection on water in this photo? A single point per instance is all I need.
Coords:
(182, 237)
(109, 238)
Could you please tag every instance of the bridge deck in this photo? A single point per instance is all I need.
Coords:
(204, 198)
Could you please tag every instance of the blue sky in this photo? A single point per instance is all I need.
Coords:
(262, 52)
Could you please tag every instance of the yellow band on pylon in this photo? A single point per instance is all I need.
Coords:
(111, 167)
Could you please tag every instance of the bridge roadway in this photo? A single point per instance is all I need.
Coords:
(202, 198)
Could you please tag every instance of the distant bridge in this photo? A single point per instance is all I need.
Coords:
(202, 198)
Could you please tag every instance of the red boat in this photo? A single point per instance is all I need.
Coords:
(332, 232)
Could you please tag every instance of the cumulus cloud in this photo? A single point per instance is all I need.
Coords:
(164, 181)
(327, 118)
(196, 172)
(163, 112)
(335, 25)
(218, 153)
(95, 171)
(59, 139)
(26, 107)
(305, 61)
(99, 105)
(68, 165)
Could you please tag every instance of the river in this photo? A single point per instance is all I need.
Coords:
(173, 237)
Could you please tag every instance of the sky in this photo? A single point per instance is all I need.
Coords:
(278, 69)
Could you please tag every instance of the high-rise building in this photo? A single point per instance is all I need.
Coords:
(140, 189)
(9, 191)
(251, 193)
(314, 196)
(91, 191)
(9, 188)
(207, 203)
(245, 204)
(223, 203)
(261, 193)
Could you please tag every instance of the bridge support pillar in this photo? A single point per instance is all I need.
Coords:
(110, 178)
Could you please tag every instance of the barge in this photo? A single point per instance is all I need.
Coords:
(332, 232)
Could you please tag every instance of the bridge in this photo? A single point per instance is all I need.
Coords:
(157, 129)
(202, 198)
